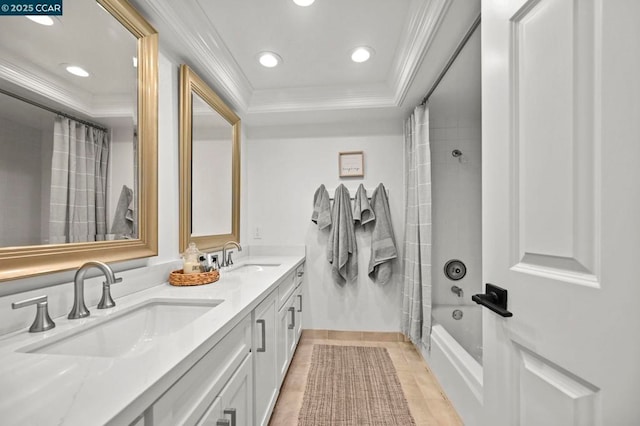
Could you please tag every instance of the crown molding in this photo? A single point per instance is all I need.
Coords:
(191, 37)
(422, 30)
(45, 85)
(321, 98)
(35, 82)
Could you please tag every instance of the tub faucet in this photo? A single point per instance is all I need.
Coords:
(457, 290)
(226, 260)
(79, 309)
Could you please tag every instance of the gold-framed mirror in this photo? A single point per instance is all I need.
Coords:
(36, 78)
(209, 166)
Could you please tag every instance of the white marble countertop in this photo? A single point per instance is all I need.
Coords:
(43, 389)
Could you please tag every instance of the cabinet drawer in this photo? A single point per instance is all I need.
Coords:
(285, 289)
(299, 273)
(187, 400)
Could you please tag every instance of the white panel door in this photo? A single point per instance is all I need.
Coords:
(561, 206)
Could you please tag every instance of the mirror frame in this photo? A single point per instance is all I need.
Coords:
(25, 261)
(191, 83)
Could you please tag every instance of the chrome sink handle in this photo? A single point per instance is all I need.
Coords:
(79, 309)
(43, 321)
(107, 301)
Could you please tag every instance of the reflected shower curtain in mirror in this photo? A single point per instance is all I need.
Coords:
(78, 182)
(416, 295)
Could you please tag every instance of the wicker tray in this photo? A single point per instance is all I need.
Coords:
(178, 278)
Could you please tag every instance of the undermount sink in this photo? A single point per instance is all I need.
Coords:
(254, 267)
(129, 332)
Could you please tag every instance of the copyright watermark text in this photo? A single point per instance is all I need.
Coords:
(27, 7)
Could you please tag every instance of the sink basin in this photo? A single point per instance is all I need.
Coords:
(129, 332)
(254, 267)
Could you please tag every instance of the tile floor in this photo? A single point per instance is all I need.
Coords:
(427, 401)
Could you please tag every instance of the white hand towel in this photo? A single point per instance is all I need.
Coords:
(361, 208)
(341, 248)
(383, 245)
(321, 208)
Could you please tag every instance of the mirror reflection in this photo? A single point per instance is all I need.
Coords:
(209, 166)
(211, 163)
(68, 128)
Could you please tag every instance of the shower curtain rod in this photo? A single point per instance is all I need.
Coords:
(453, 57)
(36, 104)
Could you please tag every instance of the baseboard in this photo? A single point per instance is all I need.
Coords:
(369, 336)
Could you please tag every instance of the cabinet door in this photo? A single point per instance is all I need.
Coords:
(264, 359)
(237, 396)
(286, 318)
(212, 415)
(299, 307)
(235, 402)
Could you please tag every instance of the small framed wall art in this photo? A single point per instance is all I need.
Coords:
(351, 164)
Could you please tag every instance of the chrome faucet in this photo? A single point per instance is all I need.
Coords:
(226, 259)
(79, 309)
(457, 290)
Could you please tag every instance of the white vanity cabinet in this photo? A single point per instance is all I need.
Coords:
(219, 382)
(237, 382)
(266, 376)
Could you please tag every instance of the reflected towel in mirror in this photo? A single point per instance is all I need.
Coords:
(123, 218)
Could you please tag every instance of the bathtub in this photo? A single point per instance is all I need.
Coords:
(467, 331)
(454, 361)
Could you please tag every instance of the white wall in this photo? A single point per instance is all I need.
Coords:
(20, 182)
(455, 123)
(283, 173)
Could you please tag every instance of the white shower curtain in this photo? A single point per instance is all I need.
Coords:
(416, 303)
(78, 183)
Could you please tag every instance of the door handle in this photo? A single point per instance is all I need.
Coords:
(494, 298)
(293, 318)
(232, 413)
(300, 298)
(263, 348)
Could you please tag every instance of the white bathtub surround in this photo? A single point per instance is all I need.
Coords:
(459, 374)
(465, 327)
(416, 296)
(78, 390)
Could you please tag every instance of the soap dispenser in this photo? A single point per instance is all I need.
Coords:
(191, 263)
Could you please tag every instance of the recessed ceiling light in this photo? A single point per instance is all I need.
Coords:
(41, 19)
(76, 70)
(269, 59)
(303, 2)
(361, 54)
